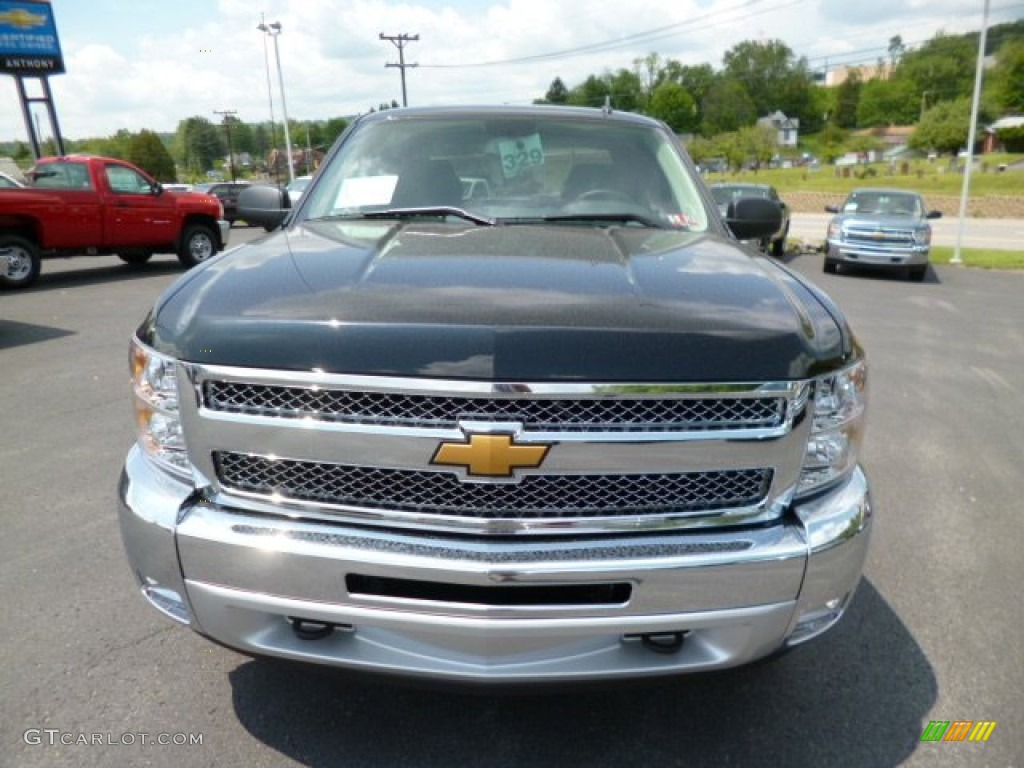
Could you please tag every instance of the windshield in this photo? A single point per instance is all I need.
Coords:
(508, 169)
(726, 195)
(883, 203)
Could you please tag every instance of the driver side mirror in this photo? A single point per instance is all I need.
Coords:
(264, 206)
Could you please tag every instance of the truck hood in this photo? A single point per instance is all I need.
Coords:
(511, 303)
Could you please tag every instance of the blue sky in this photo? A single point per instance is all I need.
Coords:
(150, 63)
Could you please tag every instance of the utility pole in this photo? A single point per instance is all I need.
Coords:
(399, 42)
(228, 113)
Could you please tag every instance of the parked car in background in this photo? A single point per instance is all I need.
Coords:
(227, 193)
(83, 204)
(880, 228)
(297, 186)
(726, 194)
(9, 182)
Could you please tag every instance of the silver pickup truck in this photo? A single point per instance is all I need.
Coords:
(564, 429)
(885, 228)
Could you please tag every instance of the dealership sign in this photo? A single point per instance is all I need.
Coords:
(28, 39)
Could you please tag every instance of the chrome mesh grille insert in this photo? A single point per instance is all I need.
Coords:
(880, 236)
(445, 411)
(536, 496)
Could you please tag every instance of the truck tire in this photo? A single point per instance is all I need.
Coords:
(19, 262)
(779, 246)
(198, 243)
(135, 258)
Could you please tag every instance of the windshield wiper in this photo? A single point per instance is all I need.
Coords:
(624, 217)
(437, 210)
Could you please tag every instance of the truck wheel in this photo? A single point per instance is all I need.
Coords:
(917, 273)
(779, 246)
(135, 258)
(19, 262)
(831, 267)
(198, 244)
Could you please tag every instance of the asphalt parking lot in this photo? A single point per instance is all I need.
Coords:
(933, 633)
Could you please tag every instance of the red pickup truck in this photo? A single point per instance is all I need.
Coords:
(82, 204)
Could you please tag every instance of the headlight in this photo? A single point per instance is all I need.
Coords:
(155, 390)
(840, 401)
(923, 236)
(835, 230)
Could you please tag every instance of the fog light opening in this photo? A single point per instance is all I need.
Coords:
(167, 601)
(312, 629)
(813, 622)
(661, 642)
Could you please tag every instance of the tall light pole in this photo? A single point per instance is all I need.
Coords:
(274, 29)
(965, 189)
(270, 94)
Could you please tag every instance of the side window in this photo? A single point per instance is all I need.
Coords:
(126, 181)
(61, 176)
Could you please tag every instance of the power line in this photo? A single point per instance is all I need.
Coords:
(647, 36)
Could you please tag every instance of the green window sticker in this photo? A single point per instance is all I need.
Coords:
(520, 154)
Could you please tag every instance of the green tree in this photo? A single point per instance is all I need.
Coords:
(695, 80)
(944, 127)
(760, 143)
(943, 67)
(887, 102)
(557, 92)
(1007, 77)
(701, 149)
(590, 93)
(672, 104)
(774, 78)
(148, 152)
(730, 146)
(832, 139)
(626, 91)
(199, 144)
(1012, 138)
(650, 73)
(242, 139)
(896, 50)
(333, 129)
(847, 99)
(727, 107)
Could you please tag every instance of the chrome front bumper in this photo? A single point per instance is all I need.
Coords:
(847, 253)
(733, 596)
(225, 232)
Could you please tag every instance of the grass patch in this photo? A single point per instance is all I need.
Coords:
(935, 178)
(981, 258)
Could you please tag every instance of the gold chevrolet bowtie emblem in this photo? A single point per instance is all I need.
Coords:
(490, 455)
(22, 19)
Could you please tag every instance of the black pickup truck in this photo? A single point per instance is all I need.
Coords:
(561, 428)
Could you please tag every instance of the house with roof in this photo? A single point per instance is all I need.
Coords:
(787, 128)
(990, 142)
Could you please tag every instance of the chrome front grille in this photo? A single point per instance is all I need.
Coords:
(873, 236)
(441, 493)
(366, 450)
(446, 411)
